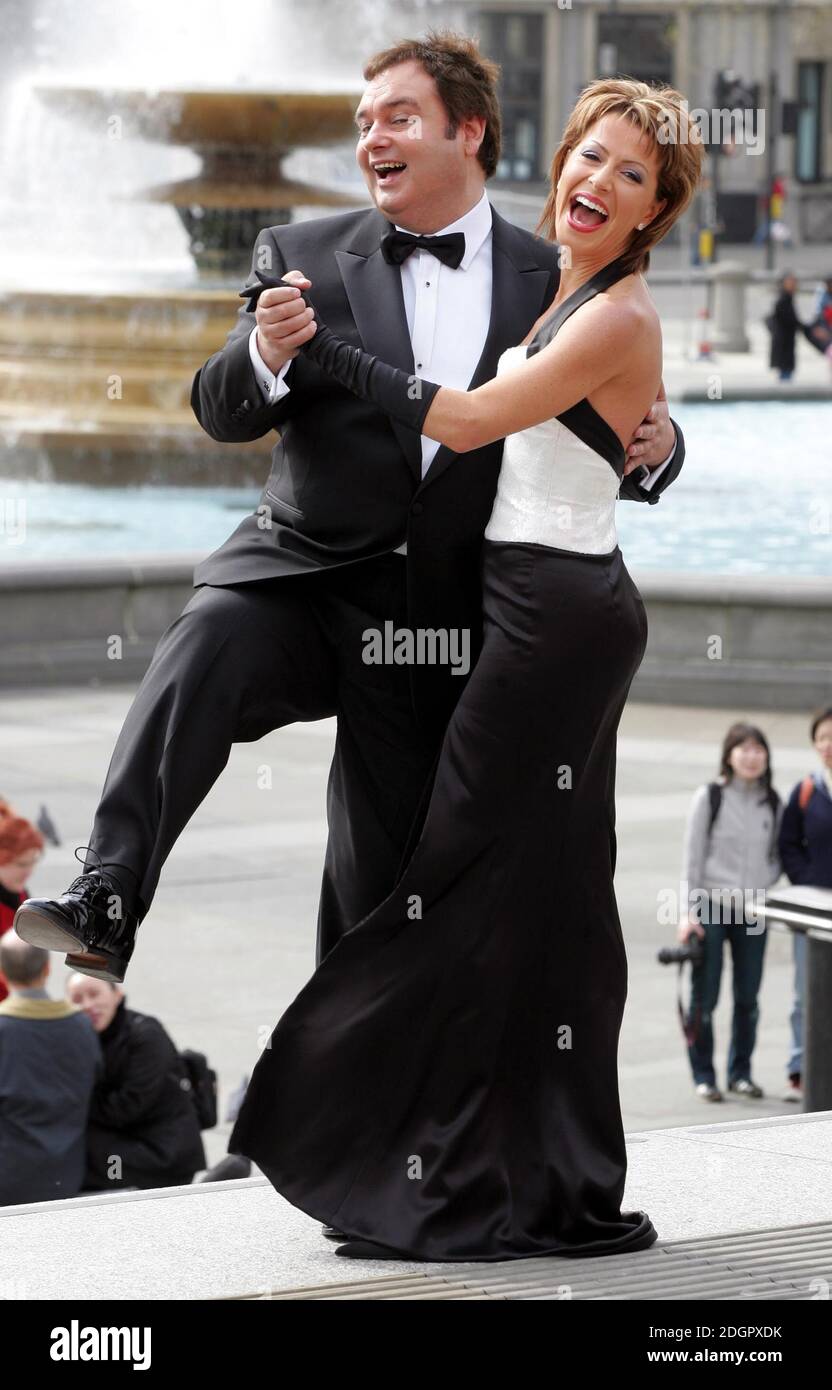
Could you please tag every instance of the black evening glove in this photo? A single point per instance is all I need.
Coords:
(406, 398)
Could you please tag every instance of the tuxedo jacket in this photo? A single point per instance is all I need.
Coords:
(345, 481)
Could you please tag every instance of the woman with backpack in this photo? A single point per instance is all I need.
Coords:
(730, 855)
(806, 851)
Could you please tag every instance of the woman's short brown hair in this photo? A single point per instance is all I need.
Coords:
(465, 79)
(661, 115)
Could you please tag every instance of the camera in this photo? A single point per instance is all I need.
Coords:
(692, 950)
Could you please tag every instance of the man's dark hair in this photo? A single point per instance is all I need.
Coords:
(465, 79)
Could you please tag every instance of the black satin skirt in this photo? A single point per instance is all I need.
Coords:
(446, 1083)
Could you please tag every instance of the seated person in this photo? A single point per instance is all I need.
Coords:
(49, 1060)
(143, 1126)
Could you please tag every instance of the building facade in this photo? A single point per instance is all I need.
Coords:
(549, 51)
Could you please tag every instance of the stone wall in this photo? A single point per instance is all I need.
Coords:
(761, 643)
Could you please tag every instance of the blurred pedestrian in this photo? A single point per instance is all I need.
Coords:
(21, 846)
(730, 856)
(783, 324)
(818, 330)
(806, 851)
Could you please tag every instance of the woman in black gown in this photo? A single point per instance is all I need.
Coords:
(445, 1086)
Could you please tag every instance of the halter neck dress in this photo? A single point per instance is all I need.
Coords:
(446, 1084)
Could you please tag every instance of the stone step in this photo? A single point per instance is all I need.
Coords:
(742, 1209)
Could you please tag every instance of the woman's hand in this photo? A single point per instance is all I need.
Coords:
(360, 372)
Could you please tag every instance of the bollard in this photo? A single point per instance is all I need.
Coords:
(729, 280)
(802, 907)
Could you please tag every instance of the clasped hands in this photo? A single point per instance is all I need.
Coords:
(285, 322)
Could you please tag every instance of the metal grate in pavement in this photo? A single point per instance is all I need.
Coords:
(785, 1262)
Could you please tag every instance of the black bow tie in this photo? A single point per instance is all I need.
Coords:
(397, 246)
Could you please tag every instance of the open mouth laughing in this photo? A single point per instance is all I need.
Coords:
(586, 212)
(388, 172)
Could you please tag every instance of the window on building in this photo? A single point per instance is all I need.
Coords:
(636, 45)
(808, 144)
(515, 41)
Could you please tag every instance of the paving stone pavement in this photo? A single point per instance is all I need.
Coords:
(230, 938)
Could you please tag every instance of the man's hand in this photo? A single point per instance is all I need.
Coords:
(688, 927)
(653, 440)
(283, 321)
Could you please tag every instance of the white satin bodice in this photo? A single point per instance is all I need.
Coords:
(553, 489)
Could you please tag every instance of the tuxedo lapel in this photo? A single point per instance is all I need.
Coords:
(518, 288)
(374, 291)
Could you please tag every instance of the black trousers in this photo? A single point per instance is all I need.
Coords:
(446, 1083)
(244, 659)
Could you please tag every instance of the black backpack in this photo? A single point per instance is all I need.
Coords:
(201, 1081)
(715, 801)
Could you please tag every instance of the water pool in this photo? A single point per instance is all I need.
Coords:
(754, 497)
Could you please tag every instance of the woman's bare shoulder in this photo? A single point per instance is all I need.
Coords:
(630, 300)
(624, 324)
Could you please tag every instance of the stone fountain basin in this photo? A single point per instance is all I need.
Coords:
(277, 121)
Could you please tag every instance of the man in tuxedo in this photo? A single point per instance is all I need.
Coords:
(361, 522)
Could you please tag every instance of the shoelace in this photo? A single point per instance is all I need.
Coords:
(108, 881)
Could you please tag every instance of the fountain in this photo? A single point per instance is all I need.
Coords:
(98, 381)
(242, 138)
(142, 152)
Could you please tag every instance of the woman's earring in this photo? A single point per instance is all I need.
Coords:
(641, 226)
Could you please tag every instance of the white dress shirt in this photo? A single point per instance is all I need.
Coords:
(447, 330)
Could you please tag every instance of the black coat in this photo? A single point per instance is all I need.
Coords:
(49, 1060)
(345, 481)
(140, 1112)
(784, 326)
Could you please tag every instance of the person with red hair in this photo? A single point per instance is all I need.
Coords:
(21, 846)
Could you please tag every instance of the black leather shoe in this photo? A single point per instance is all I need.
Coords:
(332, 1233)
(368, 1250)
(80, 923)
